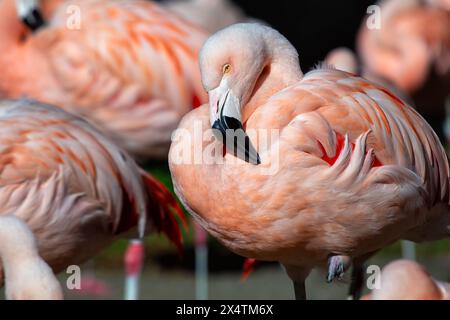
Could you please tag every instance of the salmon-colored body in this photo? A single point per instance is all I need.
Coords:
(130, 67)
(74, 188)
(325, 198)
(354, 168)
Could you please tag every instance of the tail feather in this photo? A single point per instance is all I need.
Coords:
(163, 210)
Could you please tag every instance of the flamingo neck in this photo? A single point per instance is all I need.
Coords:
(281, 71)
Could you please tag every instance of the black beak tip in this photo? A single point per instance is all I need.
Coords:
(249, 154)
(34, 20)
(258, 159)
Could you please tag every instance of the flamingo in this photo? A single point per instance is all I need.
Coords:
(73, 187)
(210, 15)
(350, 168)
(27, 275)
(128, 66)
(343, 59)
(412, 50)
(407, 280)
(443, 4)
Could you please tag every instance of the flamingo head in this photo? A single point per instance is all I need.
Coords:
(231, 62)
(242, 66)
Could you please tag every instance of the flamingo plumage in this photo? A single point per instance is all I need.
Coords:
(130, 67)
(73, 187)
(28, 277)
(352, 169)
(210, 15)
(413, 41)
(346, 60)
(411, 49)
(408, 280)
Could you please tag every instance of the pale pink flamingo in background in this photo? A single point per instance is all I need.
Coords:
(75, 189)
(343, 59)
(128, 66)
(412, 51)
(443, 4)
(27, 276)
(211, 15)
(92, 286)
(407, 280)
(357, 168)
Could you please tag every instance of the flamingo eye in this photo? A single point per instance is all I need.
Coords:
(226, 68)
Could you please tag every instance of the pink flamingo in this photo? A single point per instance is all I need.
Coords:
(27, 276)
(412, 51)
(128, 66)
(413, 41)
(343, 59)
(407, 280)
(73, 187)
(351, 169)
(211, 15)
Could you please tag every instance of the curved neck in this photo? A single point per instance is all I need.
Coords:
(282, 71)
(11, 28)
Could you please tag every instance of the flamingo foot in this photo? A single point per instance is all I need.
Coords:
(337, 265)
(300, 290)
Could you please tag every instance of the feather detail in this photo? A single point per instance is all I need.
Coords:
(163, 209)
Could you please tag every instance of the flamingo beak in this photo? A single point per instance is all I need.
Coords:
(30, 13)
(227, 125)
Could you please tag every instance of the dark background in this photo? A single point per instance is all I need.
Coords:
(315, 27)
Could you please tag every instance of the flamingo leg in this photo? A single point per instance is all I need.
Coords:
(300, 290)
(408, 250)
(201, 263)
(134, 260)
(357, 282)
(298, 276)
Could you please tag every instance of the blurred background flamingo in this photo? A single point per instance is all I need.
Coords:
(211, 15)
(407, 280)
(412, 50)
(27, 276)
(130, 67)
(73, 187)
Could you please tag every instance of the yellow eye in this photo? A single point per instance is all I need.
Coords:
(226, 68)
